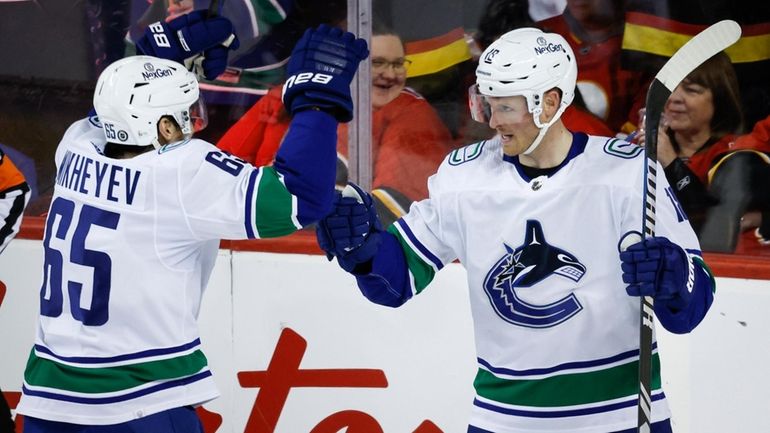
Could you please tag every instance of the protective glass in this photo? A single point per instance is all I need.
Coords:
(199, 118)
(480, 109)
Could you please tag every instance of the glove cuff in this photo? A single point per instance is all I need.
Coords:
(303, 103)
(681, 300)
(328, 102)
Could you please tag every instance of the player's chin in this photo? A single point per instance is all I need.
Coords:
(512, 147)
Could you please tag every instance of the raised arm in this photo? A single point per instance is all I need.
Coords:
(317, 95)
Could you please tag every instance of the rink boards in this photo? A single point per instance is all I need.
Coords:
(293, 330)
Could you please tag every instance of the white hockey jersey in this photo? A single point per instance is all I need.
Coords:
(556, 334)
(129, 247)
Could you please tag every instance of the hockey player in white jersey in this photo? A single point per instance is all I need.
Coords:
(133, 230)
(538, 216)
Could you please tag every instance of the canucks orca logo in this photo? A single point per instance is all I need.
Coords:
(525, 266)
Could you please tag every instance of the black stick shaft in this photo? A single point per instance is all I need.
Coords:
(656, 101)
(214, 7)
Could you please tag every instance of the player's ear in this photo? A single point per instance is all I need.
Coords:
(552, 99)
(551, 102)
(168, 131)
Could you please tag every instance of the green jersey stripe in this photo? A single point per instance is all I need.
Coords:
(270, 12)
(421, 271)
(44, 372)
(566, 389)
(274, 207)
(707, 270)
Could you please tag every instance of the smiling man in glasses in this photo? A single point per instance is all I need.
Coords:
(388, 69)
(407, 133)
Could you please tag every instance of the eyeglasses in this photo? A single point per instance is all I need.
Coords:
(398, 65)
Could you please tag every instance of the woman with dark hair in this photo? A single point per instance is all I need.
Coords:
(715, 180)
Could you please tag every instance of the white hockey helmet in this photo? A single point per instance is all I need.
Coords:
(525, 62)
(133, 93)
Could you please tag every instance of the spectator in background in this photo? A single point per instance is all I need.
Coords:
(407, 134)
(758, 141)
(716, 179)
(542, 9)
(594, 30)
(654, 30)
(14, 196)
(501, 16)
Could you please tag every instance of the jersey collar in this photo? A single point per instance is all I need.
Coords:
(579, 140)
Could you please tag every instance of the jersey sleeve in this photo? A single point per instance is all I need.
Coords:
(224, 197)
(420, 233)
(14, 196)
(410, 254)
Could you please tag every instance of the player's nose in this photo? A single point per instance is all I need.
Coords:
(493, 122)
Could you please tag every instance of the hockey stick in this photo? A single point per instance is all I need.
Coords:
(696, 51)
(214, 7)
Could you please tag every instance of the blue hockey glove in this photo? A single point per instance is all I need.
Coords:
(659, 268)
(351, 232)
(200, 43)
(320, 70)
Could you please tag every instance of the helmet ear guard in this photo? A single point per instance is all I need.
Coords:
(133, 93)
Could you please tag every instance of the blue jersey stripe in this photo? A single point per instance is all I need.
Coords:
(422, 248)
(118, 398)
(250, 204)
(631, 354)
(126, 357)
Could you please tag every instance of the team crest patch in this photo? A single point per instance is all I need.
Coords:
(622, 149)
(523, 268)
(466, 153)
(94, 120)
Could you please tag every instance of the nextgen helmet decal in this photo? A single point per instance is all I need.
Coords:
(150, 73)
(550, 48)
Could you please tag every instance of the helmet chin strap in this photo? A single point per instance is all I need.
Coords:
(543, 129)
(538, 139)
